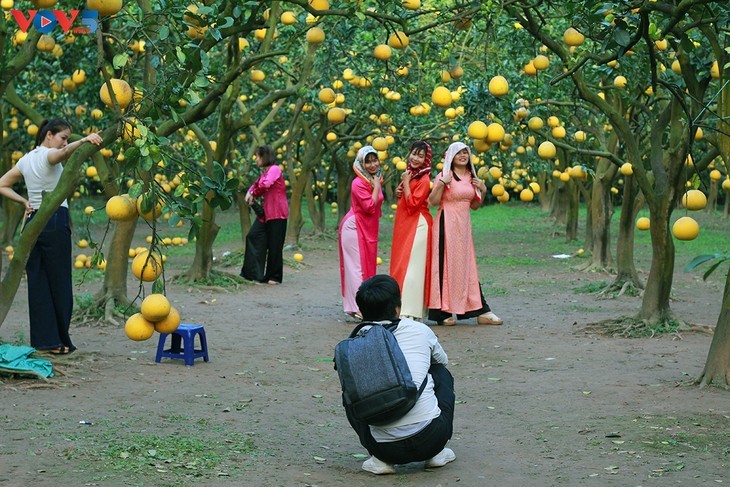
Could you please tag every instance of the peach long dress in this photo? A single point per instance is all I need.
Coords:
(455, 281)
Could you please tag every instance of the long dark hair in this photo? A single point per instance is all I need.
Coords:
(266, 153)
(53, 125)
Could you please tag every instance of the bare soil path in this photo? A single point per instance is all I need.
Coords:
(540, 401)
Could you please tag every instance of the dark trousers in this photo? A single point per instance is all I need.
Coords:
(428, 442)
(50, 291)
(264, 259)
(439, 315)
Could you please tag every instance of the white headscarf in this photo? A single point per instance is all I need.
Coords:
(454, 149)
(360, 159)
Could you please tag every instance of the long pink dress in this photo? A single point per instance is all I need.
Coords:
(457, 291)
(358, 241)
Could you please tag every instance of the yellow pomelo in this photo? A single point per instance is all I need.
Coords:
(572, 37)
(495, 133)
(686, 228)
(398, 40)
(326, 95)
(121, 208)
(138, 329)
(477, 130)
(497, 190)
(146, 267)
(579, 136)
(619, 81)
(498, 86)
(535, 123)
(380, 144)
(412, 4)
(319, 4)
(715, 175)
(526, 195)
(169, 323)
(336, 115)
(643, 223)
(121, 90)
(315, 36)
(155, 307)
(535, 187)
(547, 150)
(694, 200)
(288, 18)
(541, 62)
(382, 52)
(627, 169)
(104, 7)
(495, 172)
(441, 96)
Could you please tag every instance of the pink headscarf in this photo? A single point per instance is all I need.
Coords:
(454, 149)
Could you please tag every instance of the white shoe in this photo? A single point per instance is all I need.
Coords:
(489, 319)
(445, 456)
(378, 467)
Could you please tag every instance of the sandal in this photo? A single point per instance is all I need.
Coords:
(448, 322)
(56, 351)
(489, 318)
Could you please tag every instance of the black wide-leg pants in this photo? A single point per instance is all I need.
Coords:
(50, 290)
(263, 260)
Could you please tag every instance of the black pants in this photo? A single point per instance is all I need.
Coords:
(50, 291)
(439, 315)
(428, 442)
(264, 259)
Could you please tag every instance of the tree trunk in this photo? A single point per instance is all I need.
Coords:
(717, 366)
(602, 212)
(296, 220)
(712, 197)
(625, 268)
(12, 216)
(203, 261)
(117, 263)
(545, 192)
(559, 203)
(571, 225)
(655, 304)
(244, 217)
(588, 244)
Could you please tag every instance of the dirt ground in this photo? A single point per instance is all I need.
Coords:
(540, 401)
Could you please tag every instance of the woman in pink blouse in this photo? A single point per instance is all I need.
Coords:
(358, 232)
(263, 261)
(455, 288)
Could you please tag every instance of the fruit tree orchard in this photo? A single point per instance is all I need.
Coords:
(559, 100)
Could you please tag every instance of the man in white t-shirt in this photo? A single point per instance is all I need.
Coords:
(422, 434)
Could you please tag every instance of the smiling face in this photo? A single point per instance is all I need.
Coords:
(461, 158)
(59, 140)
(417, 158)
(371, 164)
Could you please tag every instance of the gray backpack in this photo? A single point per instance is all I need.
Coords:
(377, 387)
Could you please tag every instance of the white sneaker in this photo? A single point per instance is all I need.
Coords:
(378, 467)
(445, 456)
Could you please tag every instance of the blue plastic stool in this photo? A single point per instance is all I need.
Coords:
(186, 333)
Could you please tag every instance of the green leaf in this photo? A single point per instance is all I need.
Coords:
(135, 190)
(174, 219)
(164, 33)
(622, 37)
(701, 259)
(180, 54)
(711, 270)
(120, 60)
(159, 286)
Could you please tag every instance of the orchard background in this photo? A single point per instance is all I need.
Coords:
(604, 122)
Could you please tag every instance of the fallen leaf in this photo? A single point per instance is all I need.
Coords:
(586, 392)
(320, 459)
(152, 453)
(317, 395)
(495, 379)
(124, 454)
(618, 442)
(359, 455)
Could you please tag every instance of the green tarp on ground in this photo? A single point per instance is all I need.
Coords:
(14, 359)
